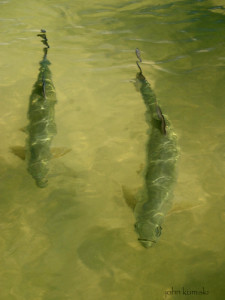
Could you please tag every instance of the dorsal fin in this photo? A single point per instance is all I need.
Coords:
(162, 119)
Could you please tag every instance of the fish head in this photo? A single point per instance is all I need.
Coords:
(148, 232)
(41, 182)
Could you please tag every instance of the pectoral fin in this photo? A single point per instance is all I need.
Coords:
(56, 152)
(24, 129)
(141, 169)
(129, 197)
(176, 209)
(59, 151)
(19, 151)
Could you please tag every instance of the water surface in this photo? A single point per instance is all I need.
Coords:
(75, 239)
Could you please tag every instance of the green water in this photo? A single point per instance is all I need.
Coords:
(75, 239)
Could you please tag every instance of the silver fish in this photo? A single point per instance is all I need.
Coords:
(41, 128)
(160, 175)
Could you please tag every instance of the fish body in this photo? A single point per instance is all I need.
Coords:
(41, 128)
(155, 199)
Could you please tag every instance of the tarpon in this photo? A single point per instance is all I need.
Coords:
(154, 199)
(41, 116)
(41, 128)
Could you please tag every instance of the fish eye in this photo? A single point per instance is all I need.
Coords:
(158, 230)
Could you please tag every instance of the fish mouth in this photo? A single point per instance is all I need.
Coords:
(42, 183)
(146, 243)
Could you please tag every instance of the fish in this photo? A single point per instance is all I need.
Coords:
(155, 197)
(42, 127)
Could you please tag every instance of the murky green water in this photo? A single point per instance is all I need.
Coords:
(75, 238)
